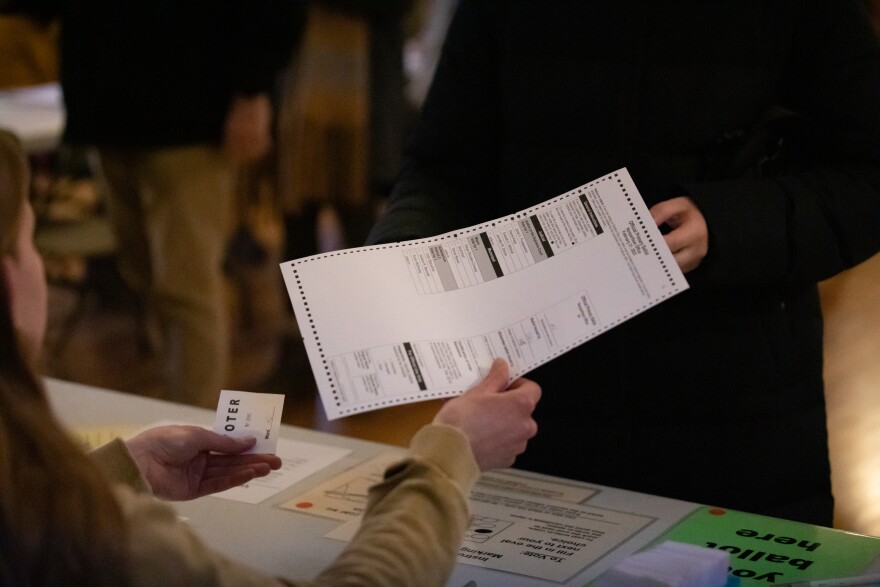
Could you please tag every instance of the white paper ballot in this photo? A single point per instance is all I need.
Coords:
(244, 413)
(423, 319)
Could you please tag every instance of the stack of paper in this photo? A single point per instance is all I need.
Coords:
(670, 564)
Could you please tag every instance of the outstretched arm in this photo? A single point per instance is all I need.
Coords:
(416, 517)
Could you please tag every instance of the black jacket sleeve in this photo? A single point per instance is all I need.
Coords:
(824, 216)
(818, 218)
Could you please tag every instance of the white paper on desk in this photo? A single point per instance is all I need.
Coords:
(515, 481)
(299, 460)
(405, 322)
(542, 538)
(344, 497)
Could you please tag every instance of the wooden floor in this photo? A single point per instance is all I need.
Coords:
(268, 356)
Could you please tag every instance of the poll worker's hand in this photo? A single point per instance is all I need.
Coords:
(688, 237)
(180, 462)
(247, 135)
(497, 419)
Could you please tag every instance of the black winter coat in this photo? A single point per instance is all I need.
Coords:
(716, 395)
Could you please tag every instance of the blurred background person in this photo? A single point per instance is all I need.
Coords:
(343, 116)
(174, 95)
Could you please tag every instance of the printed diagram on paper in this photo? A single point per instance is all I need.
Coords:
(422, 319)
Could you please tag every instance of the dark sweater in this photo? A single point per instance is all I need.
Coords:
(716, 395)
(163, 72)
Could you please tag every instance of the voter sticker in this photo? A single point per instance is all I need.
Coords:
(244, 413)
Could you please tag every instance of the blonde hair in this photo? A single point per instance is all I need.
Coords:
(59, 521)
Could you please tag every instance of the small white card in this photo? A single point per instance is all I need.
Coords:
(244, 413)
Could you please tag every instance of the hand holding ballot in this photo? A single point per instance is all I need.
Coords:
(688, 236)
(186, 462)
(495, 417)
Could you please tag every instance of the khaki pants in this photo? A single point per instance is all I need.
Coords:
(171, 211)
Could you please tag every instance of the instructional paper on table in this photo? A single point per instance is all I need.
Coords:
(535, 536)
(423, 319)
(344, 497)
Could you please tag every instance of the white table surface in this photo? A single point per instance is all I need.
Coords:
(281, 542)
(292, 544)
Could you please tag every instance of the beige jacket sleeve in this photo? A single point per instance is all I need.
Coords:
(163, 551)
(409, 536)
(415, 519)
